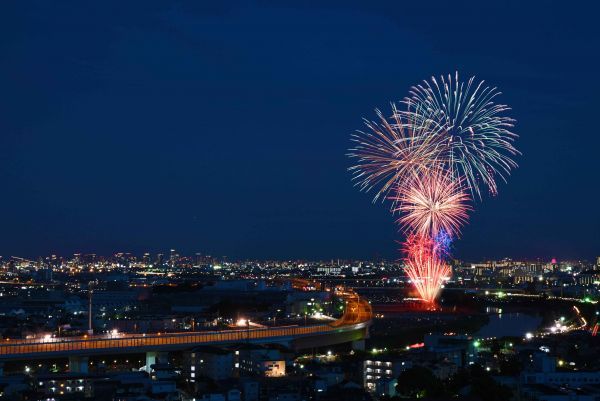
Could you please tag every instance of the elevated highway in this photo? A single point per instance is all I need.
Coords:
(350, 327)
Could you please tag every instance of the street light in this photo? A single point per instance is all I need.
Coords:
(90, 293)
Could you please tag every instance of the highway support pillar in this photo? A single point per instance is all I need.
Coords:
(358, 345)
(155, 357)
(78, 364)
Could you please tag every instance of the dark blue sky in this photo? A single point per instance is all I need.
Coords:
(223, 129)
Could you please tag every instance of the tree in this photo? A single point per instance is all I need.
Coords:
(419, 382)
(486, 388)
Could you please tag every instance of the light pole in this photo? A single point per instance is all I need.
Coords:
(90, 293)
(275, 317)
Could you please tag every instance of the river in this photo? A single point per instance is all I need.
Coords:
(514, 324)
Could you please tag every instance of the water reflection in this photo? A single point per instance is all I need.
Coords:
(509, 324)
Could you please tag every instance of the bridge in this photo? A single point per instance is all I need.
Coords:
(352, 326)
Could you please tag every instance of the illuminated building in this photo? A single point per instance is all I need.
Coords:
(213, 362)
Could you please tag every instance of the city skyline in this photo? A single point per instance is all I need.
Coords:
(196, 259)
(225, 127)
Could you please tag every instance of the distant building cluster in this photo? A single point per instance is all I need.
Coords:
(564, 278)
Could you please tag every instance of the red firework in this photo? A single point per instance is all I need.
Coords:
(425, 266)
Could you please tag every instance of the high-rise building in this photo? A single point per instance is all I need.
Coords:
(173, 258)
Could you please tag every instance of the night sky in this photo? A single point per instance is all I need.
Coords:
(223, 129)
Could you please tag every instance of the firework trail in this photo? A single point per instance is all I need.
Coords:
(450, 141)
(425, 266)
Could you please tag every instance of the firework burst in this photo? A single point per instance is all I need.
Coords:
(451, 140)
(475, 137)
(444, 243)
(391, 150)
(430, 203)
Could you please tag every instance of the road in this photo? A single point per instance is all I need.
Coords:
(357, 315)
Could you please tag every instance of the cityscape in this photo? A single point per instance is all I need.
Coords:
(287, 201)
(172, 326)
